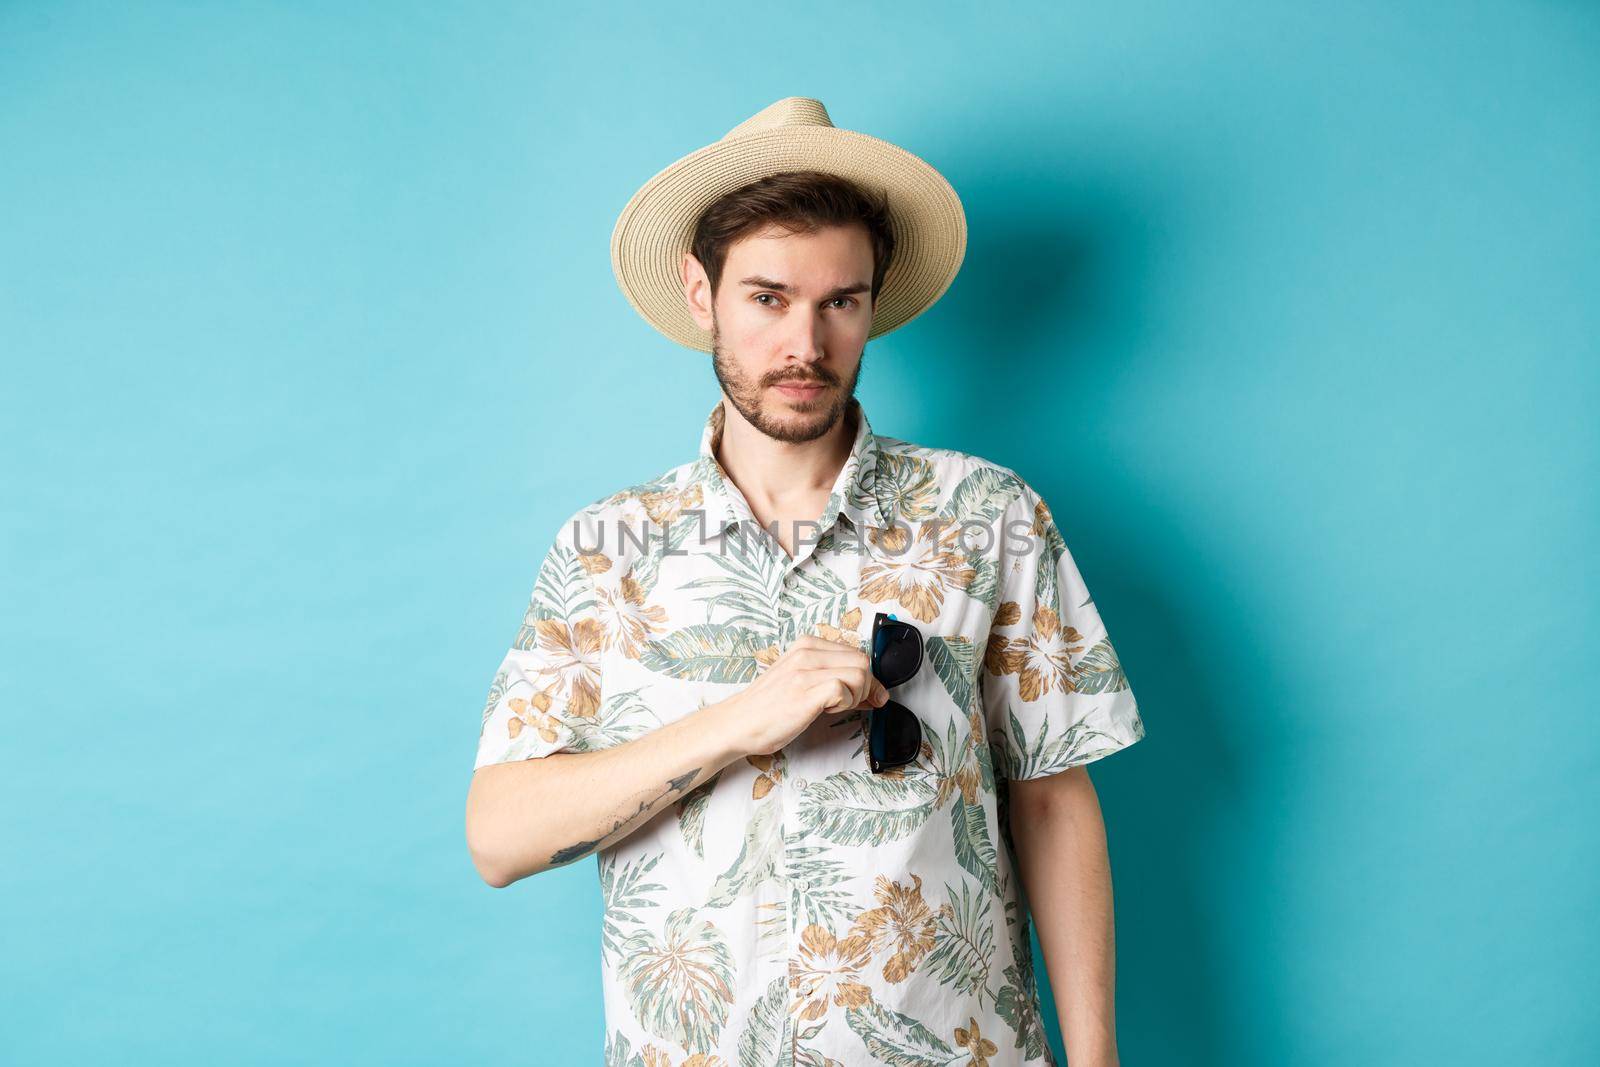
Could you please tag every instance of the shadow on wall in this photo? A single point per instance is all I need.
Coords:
(1072, 273)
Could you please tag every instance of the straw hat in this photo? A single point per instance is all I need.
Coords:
(655, 229)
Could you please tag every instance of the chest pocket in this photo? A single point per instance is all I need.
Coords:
(943, 694)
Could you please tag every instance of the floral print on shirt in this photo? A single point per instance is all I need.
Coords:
(797, 908)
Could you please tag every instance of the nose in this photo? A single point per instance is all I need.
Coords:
(806, 340)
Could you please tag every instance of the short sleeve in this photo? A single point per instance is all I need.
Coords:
(547, 687)
(1054, 694)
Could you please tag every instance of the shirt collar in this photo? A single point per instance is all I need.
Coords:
(855, 492)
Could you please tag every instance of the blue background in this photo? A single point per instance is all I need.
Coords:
(311, 342)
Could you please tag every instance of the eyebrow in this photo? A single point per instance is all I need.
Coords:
(767, 283)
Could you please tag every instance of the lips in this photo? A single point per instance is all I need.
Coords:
(802, 388)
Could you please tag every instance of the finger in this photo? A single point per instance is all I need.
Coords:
(831, 654)
(861, 684)
(858, 680)
(813, 641)
(833, 695)
(867, 691)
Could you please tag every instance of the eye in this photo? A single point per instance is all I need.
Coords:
(849, 302)
(758, 296)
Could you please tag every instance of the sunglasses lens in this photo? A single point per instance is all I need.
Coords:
(897, 654)
(896, 736)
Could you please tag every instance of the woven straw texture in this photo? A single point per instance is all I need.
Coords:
(656, 226)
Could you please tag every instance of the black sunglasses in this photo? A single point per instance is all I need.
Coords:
(893, 733)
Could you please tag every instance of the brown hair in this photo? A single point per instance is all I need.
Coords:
(800, 201)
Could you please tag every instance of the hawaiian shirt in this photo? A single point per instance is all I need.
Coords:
(797, 908)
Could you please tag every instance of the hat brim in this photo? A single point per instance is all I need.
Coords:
(656, 227)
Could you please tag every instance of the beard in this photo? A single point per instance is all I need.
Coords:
(773, 414)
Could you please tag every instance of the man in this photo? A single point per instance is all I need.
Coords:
(797, 868)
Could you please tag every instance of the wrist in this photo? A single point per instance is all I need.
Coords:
(1093, 1054)
(725, 726)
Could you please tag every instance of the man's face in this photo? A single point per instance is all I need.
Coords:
(791, 310)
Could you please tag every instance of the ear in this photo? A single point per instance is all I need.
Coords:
(696, 290)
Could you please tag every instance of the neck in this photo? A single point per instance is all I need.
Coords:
(783, 478)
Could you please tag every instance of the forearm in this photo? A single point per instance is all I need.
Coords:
(530, 815)
(1066, 872)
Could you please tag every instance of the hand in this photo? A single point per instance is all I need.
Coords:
(813, 677)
